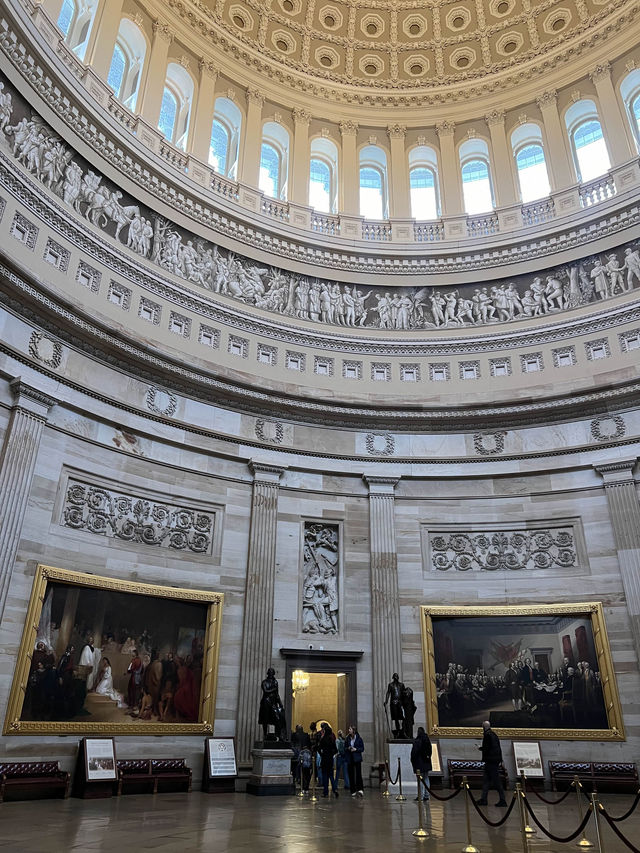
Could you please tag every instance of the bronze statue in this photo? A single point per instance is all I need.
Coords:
(394, 697)
(409, 708)
(271, 708)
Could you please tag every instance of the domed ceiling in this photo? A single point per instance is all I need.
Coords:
(405, 44)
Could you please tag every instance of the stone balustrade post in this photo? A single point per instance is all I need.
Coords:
(624, 511)
(560, 166)
(202, 118)
(399, 194)
(386, 647)
(257, 631)
(252, 139)
(615, 126)
(301, 157)
(17, 464)
(451, 181)
(350, 170)
(152, 84)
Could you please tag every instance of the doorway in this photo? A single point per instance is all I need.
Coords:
(320, 697)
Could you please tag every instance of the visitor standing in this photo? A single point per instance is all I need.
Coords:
(492, 757)
(421, 761)
(327, 749)
(353, 751)
(342, 768)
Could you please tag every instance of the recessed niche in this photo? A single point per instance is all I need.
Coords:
(238, 21)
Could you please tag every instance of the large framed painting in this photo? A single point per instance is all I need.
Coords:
(543, 671)
(101, 655)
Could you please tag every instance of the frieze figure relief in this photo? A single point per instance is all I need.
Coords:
(321, 568)
(409, 308)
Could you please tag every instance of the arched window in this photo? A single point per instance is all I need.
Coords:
(225, 133)
(323, 175)
(526, 143)
(373, 182)
(66, 16)
(630, 91)
(274, 160)
(635, 112)
(75, 21)
(589, 148)
(476, 179)
(126, 63)
(175, 110)
(423, 182)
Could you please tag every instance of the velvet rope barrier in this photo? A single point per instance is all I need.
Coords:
(627, 813)
(494, 823)
(392, 781)
(553, 802)
(613, 826)
(443, 799)
(559, 839)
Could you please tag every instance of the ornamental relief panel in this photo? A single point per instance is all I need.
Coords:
(29, 140)
(320, 578)
(120, 514)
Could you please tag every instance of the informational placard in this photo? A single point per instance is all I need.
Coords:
(436, 766)
(100, 758)
(528, 759)
(222, 757)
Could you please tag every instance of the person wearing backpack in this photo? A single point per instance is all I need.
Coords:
(306, 765)
(327, 749)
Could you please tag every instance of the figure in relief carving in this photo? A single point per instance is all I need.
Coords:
(72, 183)
(393, 699)
(632, 266)
(271, 708)
(320, 585)
(437, 305)
(554, 293)
(599, 275)
(615, 275)
(5, 110)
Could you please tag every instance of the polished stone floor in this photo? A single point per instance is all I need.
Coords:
(187, 823)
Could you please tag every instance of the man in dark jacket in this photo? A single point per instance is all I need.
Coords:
(492, 757)
(421, 760)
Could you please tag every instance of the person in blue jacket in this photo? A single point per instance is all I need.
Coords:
(354, 747)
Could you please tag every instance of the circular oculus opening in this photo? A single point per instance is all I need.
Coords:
(329, 21)
(503, 8)
(558, 24)
(416, 69)
(372, 29)
(282, 45)
(238, 21)
(415, 29)
(510, 47)
(287, 5)
(326, 61)
(462, 61)
(370, 69)
(458, 22)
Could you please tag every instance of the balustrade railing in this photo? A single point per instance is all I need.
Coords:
(596, 191)
(325, 224)
(428, 232)
(177, 158)
(275, 209)
(224, 187)
(482, 226)
(376, 231)
(122, 114)
(538, 211)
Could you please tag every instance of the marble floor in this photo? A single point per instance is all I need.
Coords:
(187, 823)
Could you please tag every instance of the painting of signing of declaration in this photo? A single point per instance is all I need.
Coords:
(544, 670)
(100, 654)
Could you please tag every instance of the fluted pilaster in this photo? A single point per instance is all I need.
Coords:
(386, 650)
(624, 509)
(17, 464)
(257, 632)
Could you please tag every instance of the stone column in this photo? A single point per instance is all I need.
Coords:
(624, 511)
(152, 86)
(386, 648)
(350, 177)
(17, 463)
(503, 176)
(257, 632)
(399, 196)
(202, 117)
(559, 164)
(450, 179)
(104, 33)
(614, 123)
(252, 137)
(301, 157)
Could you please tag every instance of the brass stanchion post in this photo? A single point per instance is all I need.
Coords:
(387, 771)
(300, 792)
(523, 821)
(313, 798)
(420, 832)
(401, 797)
(527, 827)
(595, 804)
(469, 848)
(584, 842)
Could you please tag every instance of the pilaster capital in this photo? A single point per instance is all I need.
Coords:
(162, 31)
(617, 473)
(30, 399)
(396, 131)
(348, 128)
(301, 116)
(495, 118)
(602, 71)
(264, 472)
(380, 486)
(255, 96)
(547, 99)
(445, 128)
(207, 69)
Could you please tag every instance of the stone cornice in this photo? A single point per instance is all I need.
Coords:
(31, 399)
(617, 473)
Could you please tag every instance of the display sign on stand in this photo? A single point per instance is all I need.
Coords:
(96, 768)
(528, 759)
(219, 770)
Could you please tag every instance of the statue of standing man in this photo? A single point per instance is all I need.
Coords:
(271, 708)
(393, 698)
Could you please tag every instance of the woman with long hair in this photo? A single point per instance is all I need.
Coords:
(354, 747)
(327, 749)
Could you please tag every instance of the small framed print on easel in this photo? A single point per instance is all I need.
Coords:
(219, 770)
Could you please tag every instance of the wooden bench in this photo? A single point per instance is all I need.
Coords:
(32, 780)
(614, 777)
(473, 770)
(153, 775)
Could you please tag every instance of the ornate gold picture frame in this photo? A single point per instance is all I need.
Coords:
(540, 672)
(101, 655)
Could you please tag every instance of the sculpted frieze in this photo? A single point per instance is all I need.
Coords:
(320, 301)
(321, 571)
(502, 550)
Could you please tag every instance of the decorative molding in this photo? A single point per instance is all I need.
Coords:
(547, 99)
(380, 444)
(132, 518)
(271, 432)
(348, 128)
(519, 549)
(161, 402)
(56, 255)
(445, 128)
(396, 131)
(495, 118)
(24, 231)
(480, 446)
(301, 116)
(162, 31)
(45, 350)
(599, 431)
(255, 96)
(89, 277)
(600, 72)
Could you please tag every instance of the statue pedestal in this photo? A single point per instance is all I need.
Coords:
(271, 774)
(401, 748)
